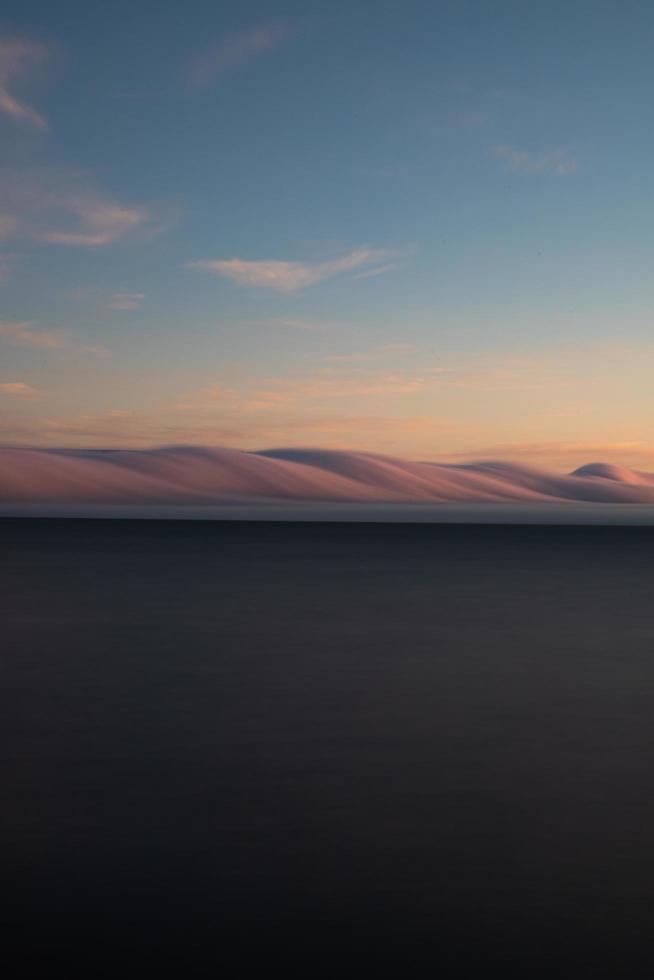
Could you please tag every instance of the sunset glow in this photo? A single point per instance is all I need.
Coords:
(271, 232)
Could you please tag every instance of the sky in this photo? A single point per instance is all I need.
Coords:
(423, 229)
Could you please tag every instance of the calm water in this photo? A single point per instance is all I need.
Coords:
(423, 745)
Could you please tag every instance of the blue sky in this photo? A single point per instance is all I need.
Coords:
(414, 228)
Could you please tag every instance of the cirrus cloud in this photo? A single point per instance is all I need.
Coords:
(236, 50)
(99, 222)
(17, 388)
(289, 277)
(17, 57)
(126, 301)
(54, 208)
(558, 162)
(24, 335)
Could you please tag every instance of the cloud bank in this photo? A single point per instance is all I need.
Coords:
(200, 476)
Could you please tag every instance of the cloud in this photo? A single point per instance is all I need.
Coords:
(379, 271)
(385, 350)
(205, 475)
(8, 226)
(99, 222)
(126, 301)
(275, 393)
(564, 451)
(235, 51)
(558, 162)
(23, 335)
(18, 388)
(17, 57)
(288, 277)
(251, 428)
(473, 120)
(298, 323)
(213, 396)
(53, 209)
(7, 263)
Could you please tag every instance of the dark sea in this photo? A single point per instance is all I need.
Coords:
(409, 749)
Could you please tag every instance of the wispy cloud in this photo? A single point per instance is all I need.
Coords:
(327, 384)
(296, 323)
(289, 277)
(235, 51)
(398, 383)
(100, 222)
(473, 120)
(385, 350)
(8, 226)
(7, 263)
(17, 58)
(379, 271)
(558, 162)
(51, 208)
(212, 396)
(126, 301)
(24, 335)
(17, 388)
(247, 430)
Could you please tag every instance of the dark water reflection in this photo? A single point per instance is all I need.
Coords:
(412, 744)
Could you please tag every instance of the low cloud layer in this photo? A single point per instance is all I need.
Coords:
(185, 475)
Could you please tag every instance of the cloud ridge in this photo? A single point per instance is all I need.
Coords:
(192, 475)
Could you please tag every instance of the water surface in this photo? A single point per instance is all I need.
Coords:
(421, 745)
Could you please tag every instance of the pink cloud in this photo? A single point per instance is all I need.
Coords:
(50, 207)
(7, 263)
(288, 277)
(23, 335)
(186, 475)
(18, 388)
(385, 350)
(235, 51)
(17, 58)
(126, 301)
(100, 222)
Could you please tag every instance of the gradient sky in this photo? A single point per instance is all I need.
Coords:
(417, 228)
